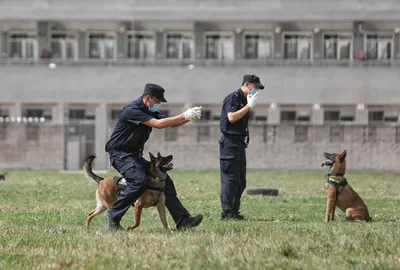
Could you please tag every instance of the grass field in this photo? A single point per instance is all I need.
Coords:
(42, 218)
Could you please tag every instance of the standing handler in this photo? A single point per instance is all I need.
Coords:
(234, 141)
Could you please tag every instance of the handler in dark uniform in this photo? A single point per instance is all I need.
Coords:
(234, 140)
(125, 148)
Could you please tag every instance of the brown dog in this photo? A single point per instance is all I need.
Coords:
(109, 189)
(339, 192)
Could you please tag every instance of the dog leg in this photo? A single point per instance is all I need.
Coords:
(100, 209)
(138, 215)
(161, 212)
(330, 202)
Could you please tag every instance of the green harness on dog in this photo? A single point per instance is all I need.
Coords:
(338, 181)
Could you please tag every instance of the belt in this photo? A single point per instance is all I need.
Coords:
(137, 153)
(235, 137)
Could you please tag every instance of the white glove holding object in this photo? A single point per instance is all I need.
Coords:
(252, 100)
(192, 113)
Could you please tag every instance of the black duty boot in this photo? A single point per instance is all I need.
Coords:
(189, 222)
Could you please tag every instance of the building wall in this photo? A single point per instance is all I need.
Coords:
(276, 149)
(35, 146)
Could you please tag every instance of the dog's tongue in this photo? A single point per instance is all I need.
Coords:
(170, 164)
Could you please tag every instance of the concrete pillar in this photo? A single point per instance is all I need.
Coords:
(59, 114)
(16, 110)
(396, 47)
(43, 29)
(239, 45)
(317, 115)
(160, 52)
(121, 45)
(101, 137)
(3, 43)
(361, 117)
(278, 46)
(198, 41)
(358, 45)
(318, 52)
(274, 115)
(82, 45)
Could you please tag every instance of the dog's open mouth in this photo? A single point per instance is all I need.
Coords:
(168, 165)
(327, 162)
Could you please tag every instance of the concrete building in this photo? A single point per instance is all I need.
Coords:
(330, 67)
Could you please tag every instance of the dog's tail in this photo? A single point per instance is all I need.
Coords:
(87, 169)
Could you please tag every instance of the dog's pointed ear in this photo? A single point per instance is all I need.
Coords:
(342, 156)
(158, 155)
(151, 157)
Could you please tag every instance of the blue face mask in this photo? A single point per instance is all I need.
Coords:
(155, 108)
(253, 91)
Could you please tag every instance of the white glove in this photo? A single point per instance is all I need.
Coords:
(252, 100)
(193, 113)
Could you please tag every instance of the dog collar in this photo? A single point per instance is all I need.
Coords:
(337, 180)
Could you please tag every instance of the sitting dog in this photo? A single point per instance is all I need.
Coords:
(339, 192)
(110, 188)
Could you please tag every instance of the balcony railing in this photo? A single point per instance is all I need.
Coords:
(201, 62)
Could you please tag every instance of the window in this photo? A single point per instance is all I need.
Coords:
(257, 46)
(269, 133)
(337, 134)
(261, 118)
(398, 134)
(101, 46)
(81, 114)
(115, 114)
(32, 132)
(379, 47)
(180, 46)
(337, 47)
(297, 46)
(141, 46)
(375, 116)
(301, 133)
(220, 46)
(331, 115)
(251, 115)
(203, 133)
(302, 117)
(4, 113)
(64, 46)
(3, 129)
(23, 46)
(288, 116)
(370, 134)
(205, 115)
(337, 115)
(37, 113)
(76, 114)
(391, 116)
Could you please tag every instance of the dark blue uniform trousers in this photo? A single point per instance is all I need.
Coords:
(133, 168)
(233, 173)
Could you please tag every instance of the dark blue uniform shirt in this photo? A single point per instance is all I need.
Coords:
(232, 103)
(130, 134)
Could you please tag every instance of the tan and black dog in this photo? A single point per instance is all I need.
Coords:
(110, 188)
(339, 192)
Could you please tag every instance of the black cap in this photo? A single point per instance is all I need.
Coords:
(155, 90)
(253, 79)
